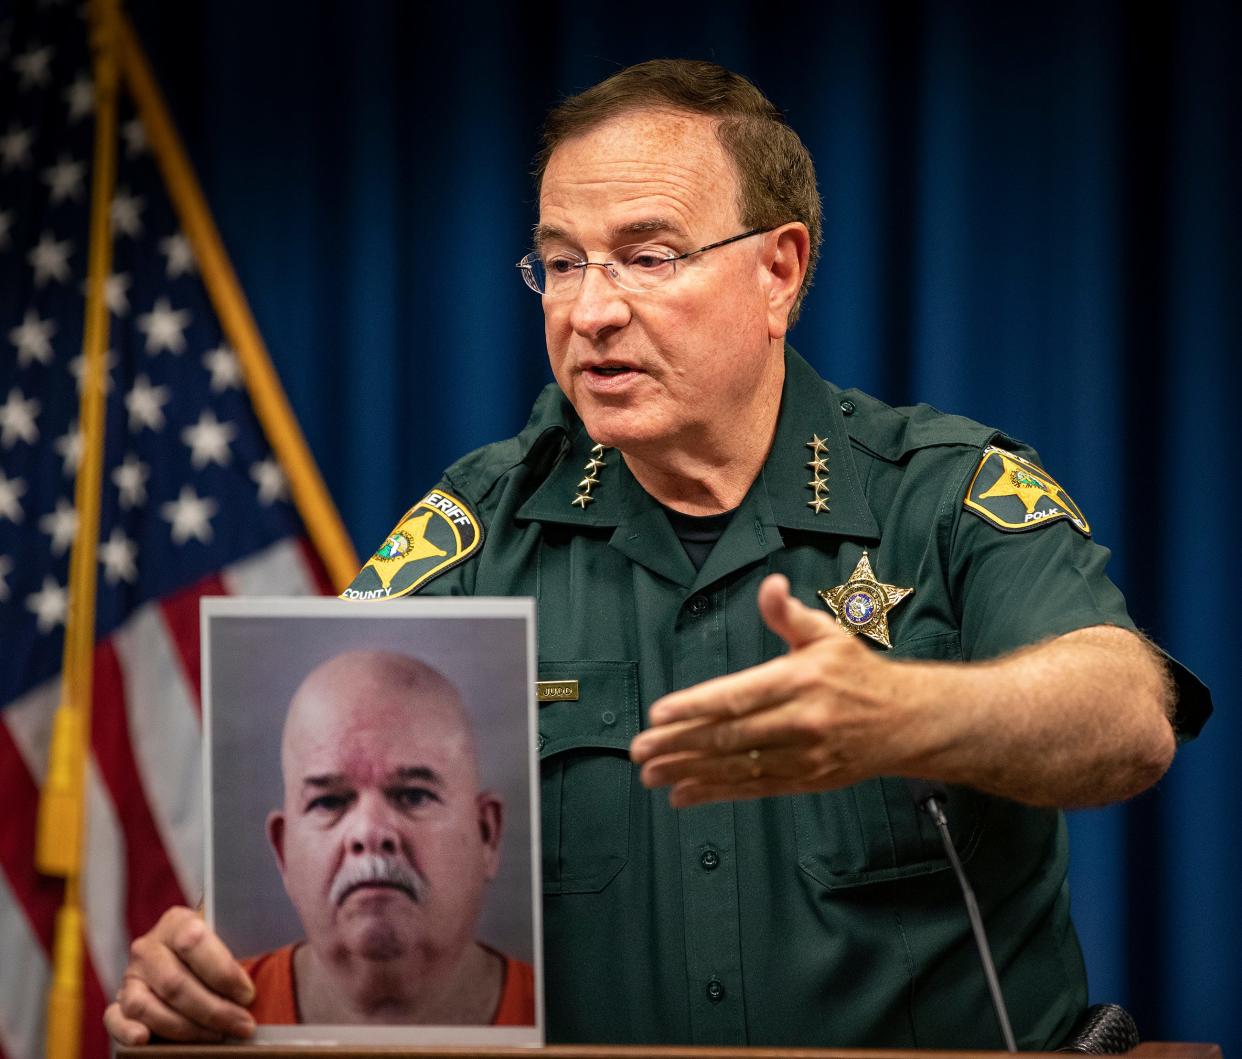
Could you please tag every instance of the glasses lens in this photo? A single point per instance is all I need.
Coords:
(533, 272)
(641, 266)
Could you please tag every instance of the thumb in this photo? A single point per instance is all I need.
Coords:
(791, 619)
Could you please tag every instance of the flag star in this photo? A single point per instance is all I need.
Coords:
(81, 98)
(61, 525)
(145, 404)
(70, 446)
(130, 478)
(163, 326)
(6, 225)
(33, 339)
(209, 440)
(118, 554)
(15, 148)
(127, 213)
(65, 180)
(17, 419)
(77, 368)
(33, 66)
(179, 253)
(49, 604)
(50, 259)
(190, 516)
(225, 371)
(271, 481)
(11, 489)
(6, 568)
(135, 137)
(116, 296)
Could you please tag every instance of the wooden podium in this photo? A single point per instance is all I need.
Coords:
(1147, 1050)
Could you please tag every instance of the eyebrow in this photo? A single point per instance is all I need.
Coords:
(405, 773)
(550, 233)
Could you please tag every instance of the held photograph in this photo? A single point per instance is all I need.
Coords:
(370, 828)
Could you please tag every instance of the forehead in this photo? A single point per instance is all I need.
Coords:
(375, 731)
(641, 165)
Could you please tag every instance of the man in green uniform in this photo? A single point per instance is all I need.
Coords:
(778, 600)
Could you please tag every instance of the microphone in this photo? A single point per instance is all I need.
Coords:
(928, 796)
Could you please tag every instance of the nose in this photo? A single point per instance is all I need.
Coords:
(371, 828)
(599, 306)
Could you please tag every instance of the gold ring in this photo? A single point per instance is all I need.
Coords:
(756, 770)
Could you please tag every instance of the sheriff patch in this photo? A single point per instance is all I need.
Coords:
(436, 533)
(1015, 495)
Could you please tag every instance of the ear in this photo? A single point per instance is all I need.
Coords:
(785, 266)
(276, 837)
(491, 813)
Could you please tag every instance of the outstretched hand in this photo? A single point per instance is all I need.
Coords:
(803, 722)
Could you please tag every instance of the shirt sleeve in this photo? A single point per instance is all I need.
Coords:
(1011, 589)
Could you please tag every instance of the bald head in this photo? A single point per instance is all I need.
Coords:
(360, 693)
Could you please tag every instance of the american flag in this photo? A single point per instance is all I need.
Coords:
(194, 503)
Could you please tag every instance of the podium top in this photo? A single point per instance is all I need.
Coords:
(1146, 1050)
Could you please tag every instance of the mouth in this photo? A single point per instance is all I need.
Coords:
(376, 885)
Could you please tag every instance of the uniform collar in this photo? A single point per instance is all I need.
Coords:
(778, 498)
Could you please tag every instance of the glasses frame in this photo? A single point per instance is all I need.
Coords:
(525, 266)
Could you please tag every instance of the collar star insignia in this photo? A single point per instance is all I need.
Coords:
(861, 605)
(819, 474)
(582, 496)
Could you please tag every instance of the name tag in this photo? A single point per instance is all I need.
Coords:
(556, 690)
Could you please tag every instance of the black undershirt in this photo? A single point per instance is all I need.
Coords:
(698, 533)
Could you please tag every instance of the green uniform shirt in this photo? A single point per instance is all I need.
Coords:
(826, 919)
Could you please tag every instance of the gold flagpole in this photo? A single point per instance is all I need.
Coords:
(62, 802)
(310, 495)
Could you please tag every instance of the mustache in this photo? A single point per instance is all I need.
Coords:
(373, 868)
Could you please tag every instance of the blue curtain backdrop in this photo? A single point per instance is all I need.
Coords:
(1032, 218)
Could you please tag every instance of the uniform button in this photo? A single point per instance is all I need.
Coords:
(847, 407)
(540, 742)
(697, 606)
(715, 991)
(710, 860)
(608, 717)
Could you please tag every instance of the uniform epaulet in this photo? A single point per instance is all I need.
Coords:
(893, 433)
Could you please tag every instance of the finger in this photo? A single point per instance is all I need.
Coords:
(775, 726)
(688, 794)
(791, 619)
(137, 1004)
(128, 1033)
(205, 955)
(794, 762)
(161, 971)
(732, 695)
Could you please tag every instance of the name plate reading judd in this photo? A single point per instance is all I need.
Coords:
(556, 690)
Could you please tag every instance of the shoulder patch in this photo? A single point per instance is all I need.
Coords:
(1015, 495)
(438, 532)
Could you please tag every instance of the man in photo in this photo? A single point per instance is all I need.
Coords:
(386, 844)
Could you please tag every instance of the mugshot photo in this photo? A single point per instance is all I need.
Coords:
(370, 830)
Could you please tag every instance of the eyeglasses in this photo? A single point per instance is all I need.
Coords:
(638, 267)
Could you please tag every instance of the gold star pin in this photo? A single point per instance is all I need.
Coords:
(583, 496)
(861, 605)
(819, 465)
(581, 500)
(817, 444)
(819, 505)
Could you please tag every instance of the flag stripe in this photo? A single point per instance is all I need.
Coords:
(152, 883)
(162, 716)
(24, 972)
(38, 895)
(279, 570)
(103, 885)
(180, 612)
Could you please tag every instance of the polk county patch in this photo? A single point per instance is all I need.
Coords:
(1015, 495)
(436, 533)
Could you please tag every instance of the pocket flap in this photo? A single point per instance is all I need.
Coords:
(605, 714)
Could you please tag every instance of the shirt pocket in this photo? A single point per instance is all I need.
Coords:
(873, 831)
(584, 756)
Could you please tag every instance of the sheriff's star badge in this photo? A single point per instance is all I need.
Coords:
(862, 603)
